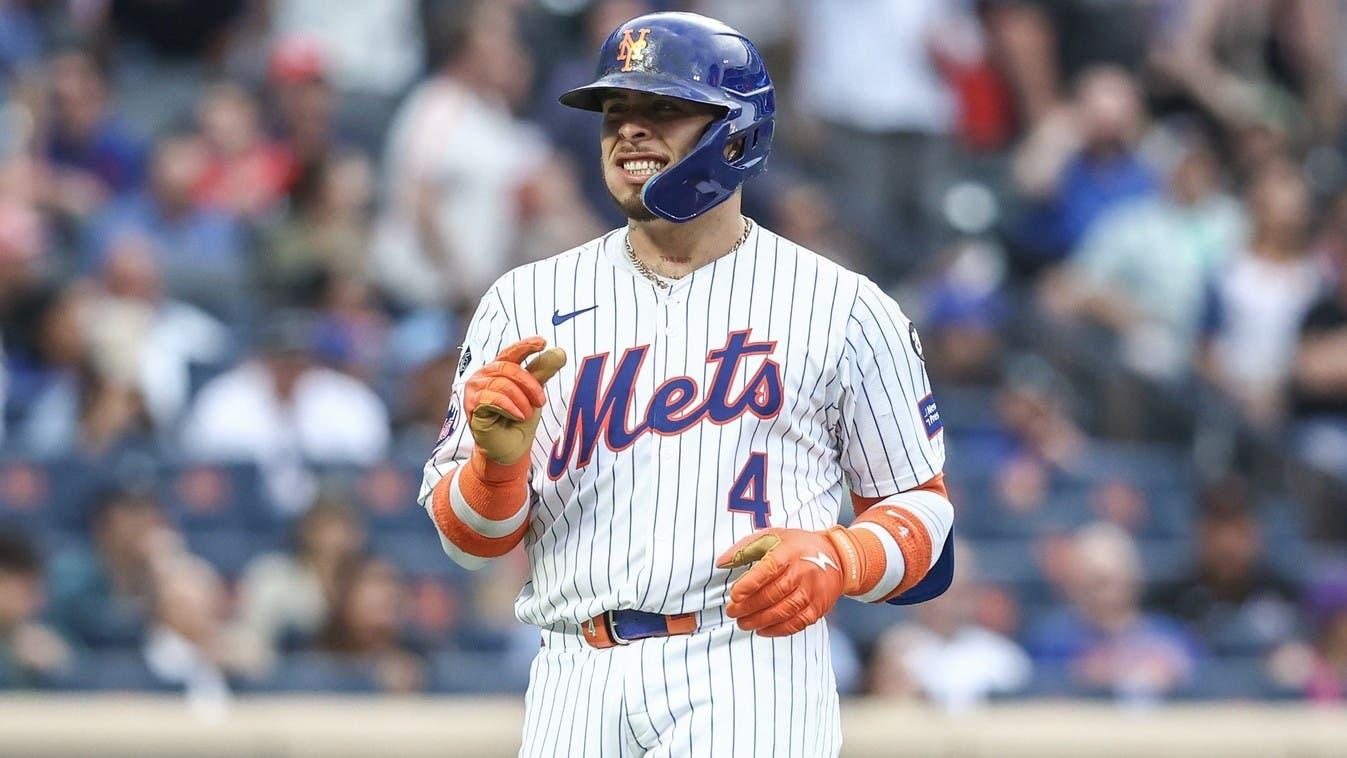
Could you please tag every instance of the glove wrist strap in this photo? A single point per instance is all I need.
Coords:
(852, 558)
(493, 473)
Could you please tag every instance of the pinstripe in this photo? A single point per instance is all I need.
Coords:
(715, 512)
(664, 677)
(544, 568)
(558, 711)
(594, 513)
(906, 403)
(552, 567)
(836, 398)
(598, 698)
(589, 700)
(645, 695)
(537, 678)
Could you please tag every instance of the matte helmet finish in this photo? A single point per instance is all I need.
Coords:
(695, 58)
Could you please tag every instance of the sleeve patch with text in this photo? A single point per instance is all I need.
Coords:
(930, 416)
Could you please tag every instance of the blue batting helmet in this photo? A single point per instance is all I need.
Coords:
(695, 58)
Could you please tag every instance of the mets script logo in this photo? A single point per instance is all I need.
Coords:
(632, 51)
(597, 413)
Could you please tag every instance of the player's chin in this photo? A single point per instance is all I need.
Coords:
(629, 202)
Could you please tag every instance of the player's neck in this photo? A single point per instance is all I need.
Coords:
(676, 250)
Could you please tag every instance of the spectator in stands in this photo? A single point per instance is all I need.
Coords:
(31, 655)
(1319, 371)
(1142, 269)
(93, 154)
(98, 406)
(366, 622)
(185, 646)
(287, 596)
(302, 99)
(1036, 435)
(199, 250)
(165, 339)
(376, 50)
(44, 347)
(101, 598)
(323, 234)
(896, 111)
(553, 215)
(21, 44)
(102, 413)
(571, 129)
(352, 328)
(945, 655)
(24, 232)
(1327, 676)
(456, 161)
(1230, 598)
(962, 316)
(172, 31)
(246, 173)
(1043, 45)
(1104, 641)
(1079, 162)
(283, 411)
(1241, 63)
(425, 356)
(1260, 297)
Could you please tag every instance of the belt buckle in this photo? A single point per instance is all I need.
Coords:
(612, 629)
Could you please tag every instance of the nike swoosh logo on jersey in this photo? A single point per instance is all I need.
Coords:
(559, 318)
(821, 560)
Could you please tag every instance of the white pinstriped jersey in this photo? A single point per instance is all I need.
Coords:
(755, 391)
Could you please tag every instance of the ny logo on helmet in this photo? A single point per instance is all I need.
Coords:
(632, 51)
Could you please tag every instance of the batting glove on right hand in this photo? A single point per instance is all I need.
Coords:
(797, 577)
(504, 400)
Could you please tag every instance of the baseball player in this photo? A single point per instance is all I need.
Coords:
(670, 418)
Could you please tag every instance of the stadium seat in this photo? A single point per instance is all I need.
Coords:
(458, 672)
(230, 550)
(26, 497)
(73, 488)
(1230, 678)
(1145, 465)
(218, 496)
(415, 551)
(317, 672)
(1007, 561)
(386, 494)
(1164, 560)
(966, 409)
(114, 671)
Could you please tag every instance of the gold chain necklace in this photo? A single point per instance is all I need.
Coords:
(645, 271)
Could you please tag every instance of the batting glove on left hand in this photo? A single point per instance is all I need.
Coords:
(503, 399)
(797, 577)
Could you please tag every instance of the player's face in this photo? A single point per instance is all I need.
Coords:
(642, 134)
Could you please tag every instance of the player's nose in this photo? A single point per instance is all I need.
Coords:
(634, 129)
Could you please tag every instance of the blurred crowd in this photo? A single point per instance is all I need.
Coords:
(239, 241)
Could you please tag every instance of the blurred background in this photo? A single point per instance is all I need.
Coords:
(239, 240)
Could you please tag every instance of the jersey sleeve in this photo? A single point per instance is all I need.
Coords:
(892, 438)
(489, 332)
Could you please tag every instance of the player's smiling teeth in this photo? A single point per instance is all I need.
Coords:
(642, 167)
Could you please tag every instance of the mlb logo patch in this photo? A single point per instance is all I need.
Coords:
(930, 416)
(464, 361)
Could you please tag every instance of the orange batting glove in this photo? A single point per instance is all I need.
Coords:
(798, 577)
(504, 400)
